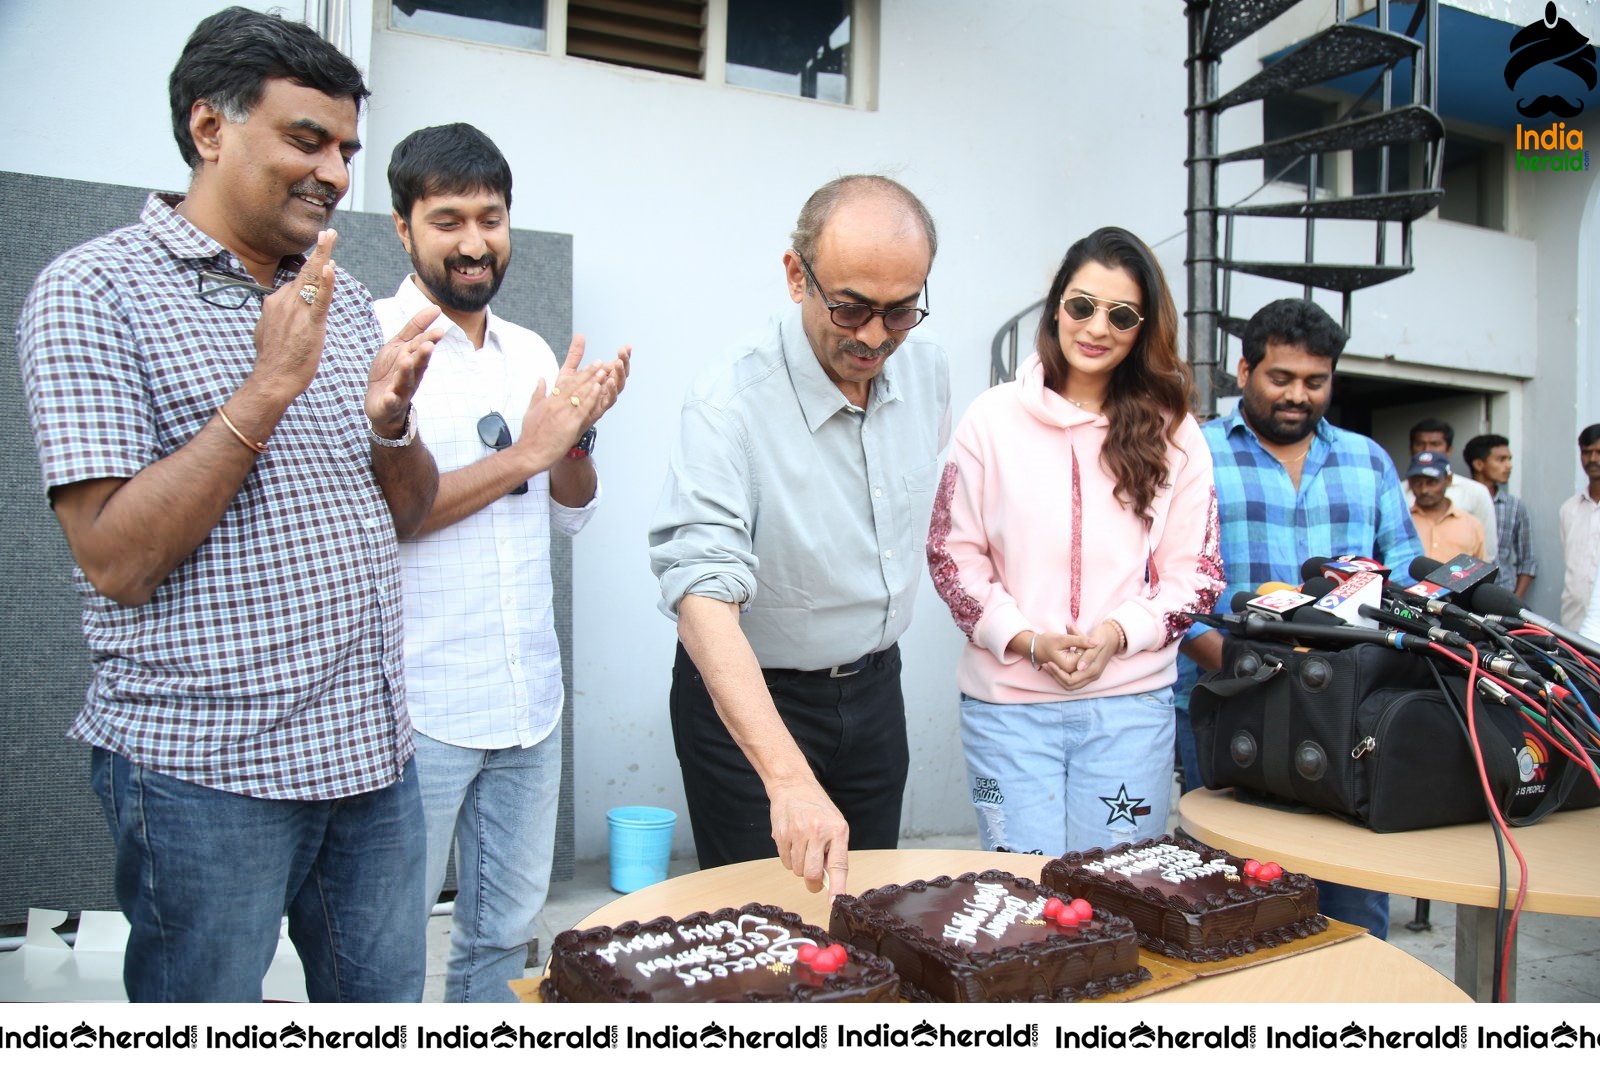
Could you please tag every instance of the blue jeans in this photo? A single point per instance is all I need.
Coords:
(205, 877)
(1072, 774)
(499, 806)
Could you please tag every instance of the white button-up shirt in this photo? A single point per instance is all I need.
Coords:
(1580, 545)
(482, 666)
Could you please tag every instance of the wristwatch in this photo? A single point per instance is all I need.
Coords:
(585, 445)
(404, 439)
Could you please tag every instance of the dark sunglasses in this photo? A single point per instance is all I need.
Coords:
(495, 434)
(1121, 316)
(855, 316)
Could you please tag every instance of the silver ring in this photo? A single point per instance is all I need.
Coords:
(308, 293)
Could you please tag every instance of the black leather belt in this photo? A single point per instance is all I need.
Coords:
(843, 670)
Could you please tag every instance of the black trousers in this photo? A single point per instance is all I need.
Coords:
(851, 730)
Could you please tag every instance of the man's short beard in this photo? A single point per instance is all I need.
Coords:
(443, 288)
(1269, 429)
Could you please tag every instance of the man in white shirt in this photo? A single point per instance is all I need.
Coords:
(512, 434)
(1580, 533)
(1436, 435)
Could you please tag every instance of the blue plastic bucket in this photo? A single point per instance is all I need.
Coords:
(641, 846)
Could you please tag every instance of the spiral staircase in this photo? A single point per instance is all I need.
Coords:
(1380, 115)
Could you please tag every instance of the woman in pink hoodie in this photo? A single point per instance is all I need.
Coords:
(1076, 521)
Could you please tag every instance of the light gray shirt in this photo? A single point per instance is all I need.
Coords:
(807, 512)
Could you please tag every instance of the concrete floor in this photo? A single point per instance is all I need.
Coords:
(1558, 956)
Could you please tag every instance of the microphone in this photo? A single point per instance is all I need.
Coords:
(1362, 589)
(1340, 567)
(1412, 624)
(1276, 603)
(1461, 575)
(1500, 606)
(1325, 629)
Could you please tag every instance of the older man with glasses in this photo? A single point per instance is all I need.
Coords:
(788, 542)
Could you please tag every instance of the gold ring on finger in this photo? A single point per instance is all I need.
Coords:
(575, 402)
(556, 391)
(308, 293)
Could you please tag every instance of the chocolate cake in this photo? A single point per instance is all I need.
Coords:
(986, 937)
(1189, 901)
(758, 953)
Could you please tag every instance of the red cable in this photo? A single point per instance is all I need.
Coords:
(1474, 672)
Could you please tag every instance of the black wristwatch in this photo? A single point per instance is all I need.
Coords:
(585, 445)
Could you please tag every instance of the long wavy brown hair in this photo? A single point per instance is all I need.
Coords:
(1149, 391)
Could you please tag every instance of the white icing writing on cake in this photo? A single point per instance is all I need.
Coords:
(991, 911)
(716, 950)
(1170, 862)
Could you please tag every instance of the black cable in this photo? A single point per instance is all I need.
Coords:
(1501, 919)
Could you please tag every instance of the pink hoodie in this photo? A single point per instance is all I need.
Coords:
(1027, 535)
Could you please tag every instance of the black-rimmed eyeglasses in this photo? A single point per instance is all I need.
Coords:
(494, 433)
(229, 290)
(855, 316)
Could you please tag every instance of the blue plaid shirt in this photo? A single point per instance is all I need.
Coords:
(1349, 502)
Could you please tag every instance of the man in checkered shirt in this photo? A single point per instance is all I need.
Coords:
(229, 447)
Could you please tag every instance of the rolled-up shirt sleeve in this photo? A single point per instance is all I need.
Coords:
(702, 536)
(569, 521)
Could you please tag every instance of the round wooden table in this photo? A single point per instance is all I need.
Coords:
(1453, 863)
(1362, 970)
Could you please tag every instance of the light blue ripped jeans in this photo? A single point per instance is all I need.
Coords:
(1069, 775)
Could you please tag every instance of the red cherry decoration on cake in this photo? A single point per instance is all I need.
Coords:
(1252, 868)
(1269, 872)
(806, 953)
(827, 960)
(1082, 909)
(1053, 906)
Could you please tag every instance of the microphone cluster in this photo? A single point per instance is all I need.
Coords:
(1452, 611)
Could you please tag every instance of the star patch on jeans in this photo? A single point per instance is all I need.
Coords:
(1125, 807)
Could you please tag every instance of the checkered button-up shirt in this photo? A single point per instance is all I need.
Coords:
(1516, 539)
(1348, 503)
(268, 663)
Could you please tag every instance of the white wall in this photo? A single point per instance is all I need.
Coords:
(680, 197)
(1023, 123)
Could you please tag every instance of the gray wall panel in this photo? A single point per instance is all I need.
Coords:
(53, 840)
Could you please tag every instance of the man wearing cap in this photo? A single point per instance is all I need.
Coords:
(1446, 531)
(1470, 498)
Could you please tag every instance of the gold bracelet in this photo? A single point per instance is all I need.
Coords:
(258, 447)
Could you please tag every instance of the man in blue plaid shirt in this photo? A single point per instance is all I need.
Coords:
(1290, 486)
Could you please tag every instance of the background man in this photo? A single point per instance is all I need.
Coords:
(1488, 458)
(1443, 528)
(788, 542)
(483, 672)
(1436, 435)
(232, 506)
(1290, 485)
(1580, 533)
